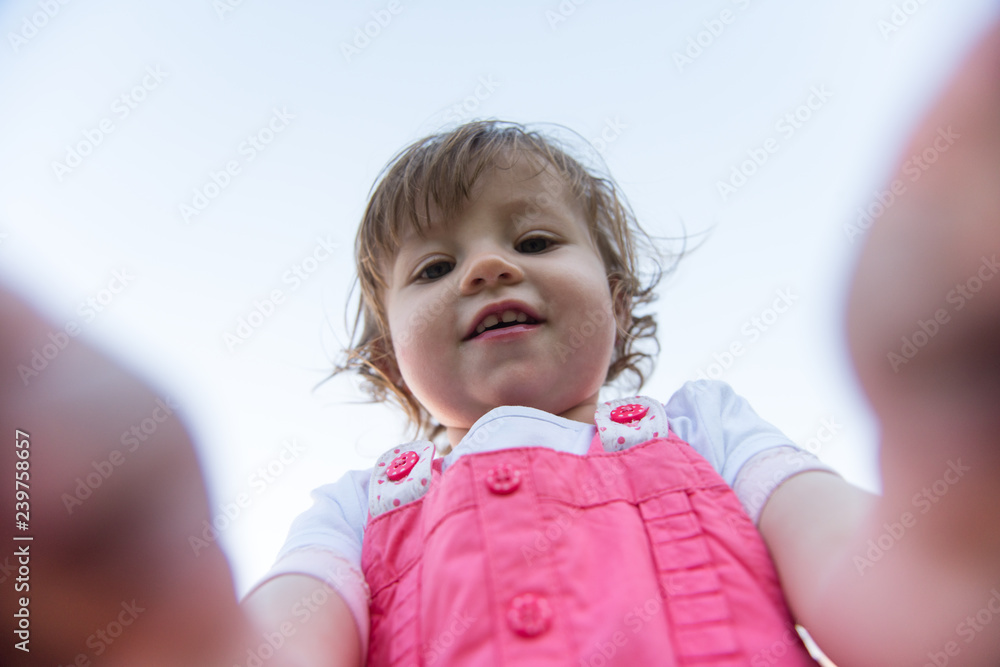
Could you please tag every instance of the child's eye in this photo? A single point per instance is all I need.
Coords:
(534, 245)
(435, 270)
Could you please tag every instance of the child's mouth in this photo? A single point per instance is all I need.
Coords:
(508, 318)
(505, 331)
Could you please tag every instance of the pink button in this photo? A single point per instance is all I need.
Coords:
(503, 479)
(401, 466)
(625, 414)
(529, 615)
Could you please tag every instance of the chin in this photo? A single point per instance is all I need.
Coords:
(542, 398)
(511, 395)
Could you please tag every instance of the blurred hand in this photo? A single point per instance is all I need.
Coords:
(112, 577)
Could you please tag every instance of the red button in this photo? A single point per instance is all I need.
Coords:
(401, 466)
(529, 615)
(632, 412)
(503, 478)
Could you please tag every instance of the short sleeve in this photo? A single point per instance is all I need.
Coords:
(751, 455)
(721, 426)
(325, 542)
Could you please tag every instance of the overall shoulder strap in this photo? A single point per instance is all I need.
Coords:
(626, 422)
(400, 476)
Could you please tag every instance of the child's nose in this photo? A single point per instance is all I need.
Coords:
(489, 269)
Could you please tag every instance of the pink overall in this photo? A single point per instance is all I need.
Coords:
(531, 556)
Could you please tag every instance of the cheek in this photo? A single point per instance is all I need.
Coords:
(413, 340)
(408, 361)
(405, 330)
(593, 317)
(591, 291)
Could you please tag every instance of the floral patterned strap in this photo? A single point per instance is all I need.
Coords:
(400, 476)
(626, 422)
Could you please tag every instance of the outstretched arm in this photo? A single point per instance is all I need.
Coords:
(916, 575)
(314, 621)
(109, 575)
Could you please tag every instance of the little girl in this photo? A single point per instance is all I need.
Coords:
(500, 285)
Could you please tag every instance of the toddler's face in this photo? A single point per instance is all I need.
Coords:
(519, 258)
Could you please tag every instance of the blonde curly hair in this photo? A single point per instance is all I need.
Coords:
(443, 168)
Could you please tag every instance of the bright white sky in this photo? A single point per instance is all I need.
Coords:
(198, 79)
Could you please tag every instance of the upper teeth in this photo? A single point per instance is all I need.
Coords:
(506, 316)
